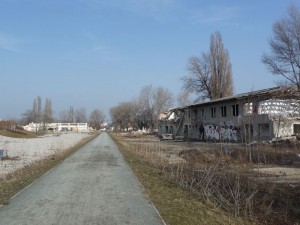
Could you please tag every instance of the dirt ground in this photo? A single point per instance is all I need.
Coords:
(172, 151)
(281, 174)
(272, 170)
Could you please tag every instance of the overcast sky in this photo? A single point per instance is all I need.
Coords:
(97, 53)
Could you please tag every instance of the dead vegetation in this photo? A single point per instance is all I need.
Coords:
(11, 128)
(16, 132)
(176, 205)
(226, 175)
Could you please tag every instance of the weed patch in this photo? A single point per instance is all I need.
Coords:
(176, 205)
(17, 133)
(225, 180)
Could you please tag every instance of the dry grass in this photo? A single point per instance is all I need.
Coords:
(176, 205)
(17, 133)
(226, 178)
(262, 195)
(18, 180)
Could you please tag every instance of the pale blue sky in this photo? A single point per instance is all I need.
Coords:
(97, 53)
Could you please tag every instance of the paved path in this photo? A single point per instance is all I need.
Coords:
(93, 186)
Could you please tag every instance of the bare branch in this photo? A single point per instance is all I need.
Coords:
(210, 76)
(284, 59)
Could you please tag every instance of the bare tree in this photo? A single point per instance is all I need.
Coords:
(198, 81)
(163, 99)
(210, 76)
(115, 118)
(121, 115)
(39, 110)
(80, 115)
(27, 117)
(37, 114)
(153, 101)
(64, 116)
(127, 114)
(71, 118)
(220, 66)
(142, 112)
(48, 114)
(284, 59)
(145, 104)
(34, 112)
(183, 99)
(136, 118)
(96, 118)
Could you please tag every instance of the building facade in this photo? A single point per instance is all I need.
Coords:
(57, 127)
(254, 116)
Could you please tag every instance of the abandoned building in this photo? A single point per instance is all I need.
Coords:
(255, 116)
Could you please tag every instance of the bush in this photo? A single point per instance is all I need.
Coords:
(219, 177)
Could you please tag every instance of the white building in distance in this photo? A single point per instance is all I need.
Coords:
(58, 127)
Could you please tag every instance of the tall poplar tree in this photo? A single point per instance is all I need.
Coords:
(210, 75)
(221, 72)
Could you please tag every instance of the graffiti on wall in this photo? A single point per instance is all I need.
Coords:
(220, 133)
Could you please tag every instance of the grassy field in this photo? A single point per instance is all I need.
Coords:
(18, 180)
(176, 206)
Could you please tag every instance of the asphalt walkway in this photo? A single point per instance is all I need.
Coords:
(93, 186)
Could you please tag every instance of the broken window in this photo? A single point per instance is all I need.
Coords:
(223, 111)
(195, 114)
(248, 109)
(202, 113)
(235, 110)
(296, 128)
(288, 107)
(263, 131)
(213, 112)
(171, 129)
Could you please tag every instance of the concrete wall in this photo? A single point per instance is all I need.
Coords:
(234, 120)
(75, 127)
(284, 127)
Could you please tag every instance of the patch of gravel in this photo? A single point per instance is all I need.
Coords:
(24, 151)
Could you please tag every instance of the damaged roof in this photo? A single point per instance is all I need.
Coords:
(262, 94)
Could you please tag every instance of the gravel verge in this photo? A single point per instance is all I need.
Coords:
(21, 152)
